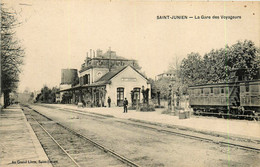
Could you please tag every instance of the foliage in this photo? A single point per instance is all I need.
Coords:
(192, 69)
(145, 107)
(67, 96)
(11, 53)
(47, 95)
(25, 97)
(167, 111)
(162, 85)
(157, 106)
(244, 55)
(217, 65)
(214, 69)
(132, 108)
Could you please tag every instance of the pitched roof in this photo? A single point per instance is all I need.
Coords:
(108, 76)
(139, 73)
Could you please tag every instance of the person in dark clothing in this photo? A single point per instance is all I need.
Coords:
(125, 103)
(109, 101)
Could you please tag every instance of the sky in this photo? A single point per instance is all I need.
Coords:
(57, 34)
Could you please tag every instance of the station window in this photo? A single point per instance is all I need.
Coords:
(120, 93)
(88, 78)
(120, 96)
(137, 93)
(85, 79)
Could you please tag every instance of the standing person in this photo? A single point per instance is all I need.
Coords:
(125, 103)
(109, 102)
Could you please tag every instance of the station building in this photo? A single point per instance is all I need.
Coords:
(108, 75)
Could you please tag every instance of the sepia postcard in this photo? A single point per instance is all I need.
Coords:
(130, 83)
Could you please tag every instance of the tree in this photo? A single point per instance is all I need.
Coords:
(244, 55)
(11, 54)
(217, 65)
(192, 69)
(177, 82)
(47, 95)
(162, 85)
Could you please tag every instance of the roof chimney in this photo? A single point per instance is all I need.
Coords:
(90, 53)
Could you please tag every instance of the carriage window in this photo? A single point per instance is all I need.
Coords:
(222, 90)
(197, 92)
(211, 90)
(201, 91)
(254, 88)
(206, 91)
(216, 91)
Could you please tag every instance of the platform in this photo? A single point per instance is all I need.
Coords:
(19, 145)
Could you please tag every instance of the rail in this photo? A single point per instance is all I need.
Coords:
(191, 136)
(98, 145)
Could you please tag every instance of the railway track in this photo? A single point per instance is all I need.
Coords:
(228, 115)
(217, 139)
(66, 147)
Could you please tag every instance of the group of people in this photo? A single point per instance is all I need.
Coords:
(125, 104)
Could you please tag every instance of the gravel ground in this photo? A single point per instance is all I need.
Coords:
(152, 148)
(231, 127)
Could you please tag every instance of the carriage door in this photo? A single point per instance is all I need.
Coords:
(120, 96)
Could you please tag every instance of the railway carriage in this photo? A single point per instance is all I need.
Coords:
(236, 98)
(250, 96)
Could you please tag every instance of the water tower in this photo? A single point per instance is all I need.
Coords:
(68, 76)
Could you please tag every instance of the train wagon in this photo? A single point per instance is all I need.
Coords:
(250, 96)
(236, 98)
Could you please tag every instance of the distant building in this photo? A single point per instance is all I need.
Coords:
(169, 75)
(107, 75)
